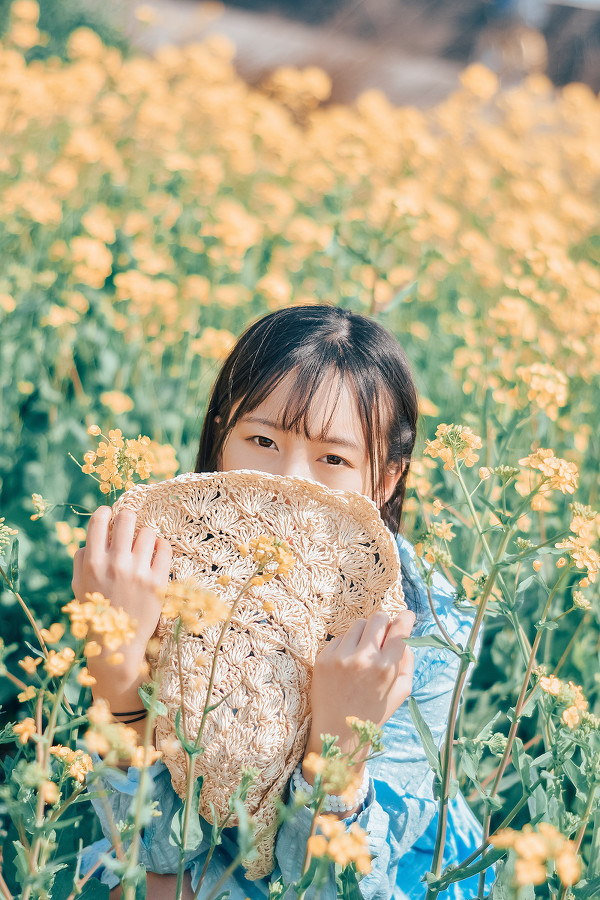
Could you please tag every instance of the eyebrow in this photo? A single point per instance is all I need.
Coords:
(338, 441)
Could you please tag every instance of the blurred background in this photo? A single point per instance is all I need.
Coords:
(413, 50)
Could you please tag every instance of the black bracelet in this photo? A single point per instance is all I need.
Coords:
(130, 721)
(134, 712)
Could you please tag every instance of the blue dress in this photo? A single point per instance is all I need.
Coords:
(399, 813)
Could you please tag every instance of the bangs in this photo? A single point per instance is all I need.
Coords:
(307, 372)
(322, 351)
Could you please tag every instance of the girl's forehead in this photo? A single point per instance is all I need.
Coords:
(331, 411)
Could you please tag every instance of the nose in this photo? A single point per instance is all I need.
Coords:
(298, 465)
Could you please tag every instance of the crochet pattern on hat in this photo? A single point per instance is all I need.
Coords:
(346, 567)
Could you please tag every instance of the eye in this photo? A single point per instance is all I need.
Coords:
(333, 460)
(262, 441)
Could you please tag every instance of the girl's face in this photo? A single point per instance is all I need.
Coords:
(341, 461)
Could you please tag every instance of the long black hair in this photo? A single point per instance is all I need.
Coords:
(312, 342)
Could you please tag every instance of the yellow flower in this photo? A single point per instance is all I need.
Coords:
(443, 530)
(40, 505)
(479, 81)
(537, 565)
(53, 634)
(84, 678)
(145, 756)
(567, 864)
(551, 685)
(583, 556)
(529, 871)
(49, 792)
(117, 401)
(28, 694)
(25, 729)
(94, 430)
(57, 664)
(197, 608)
(341, 845)
(571, 717)
(450, 439)
(26, 10)
(214, 343)
(30, 664)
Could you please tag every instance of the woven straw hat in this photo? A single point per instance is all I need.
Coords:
(346, 567)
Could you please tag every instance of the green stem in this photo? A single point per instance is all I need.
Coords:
(581, 832)
(519, 706)
(130, 891)
(462, 674)
(504, 824)
(25, 609)
(205, 712)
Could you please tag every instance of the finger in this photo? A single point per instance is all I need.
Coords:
(161, 565)
(402, 624)
(77, 569)
(96, 543)
(121, 540)
(352, 637)
(394, 646)
(143, 547)
(376, 628)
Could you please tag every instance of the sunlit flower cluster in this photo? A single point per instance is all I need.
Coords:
(269, 551)
(454, 441)
(583, 556)
(559, 474)
(72, 536)
(536, 849)
(547, 387)
(569, 694)
(337, 777)
(116, 460)
(340, 845)
(40, 505)
(6, 535)
(196, 607)
(77, 763)
(98, 618)
(114, 741)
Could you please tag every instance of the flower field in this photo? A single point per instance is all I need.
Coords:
(150, 208)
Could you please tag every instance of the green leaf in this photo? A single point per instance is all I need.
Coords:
(461, 872)
(431, 751)
(146, 693)
(587, 889)
(522, 763)
(431, 640)
(347, 884)
(93, 889)
(245, 830)
(187, 746)
(21, 861)
(305, 882)
(13, 565)
(577, 778)
(523, 585)
(193, 838)
(487, 730)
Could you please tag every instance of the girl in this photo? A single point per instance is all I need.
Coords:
(323, 393)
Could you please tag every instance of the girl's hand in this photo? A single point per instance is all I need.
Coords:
(127, 573)
(365, 673)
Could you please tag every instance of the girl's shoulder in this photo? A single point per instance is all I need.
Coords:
(455, 620)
